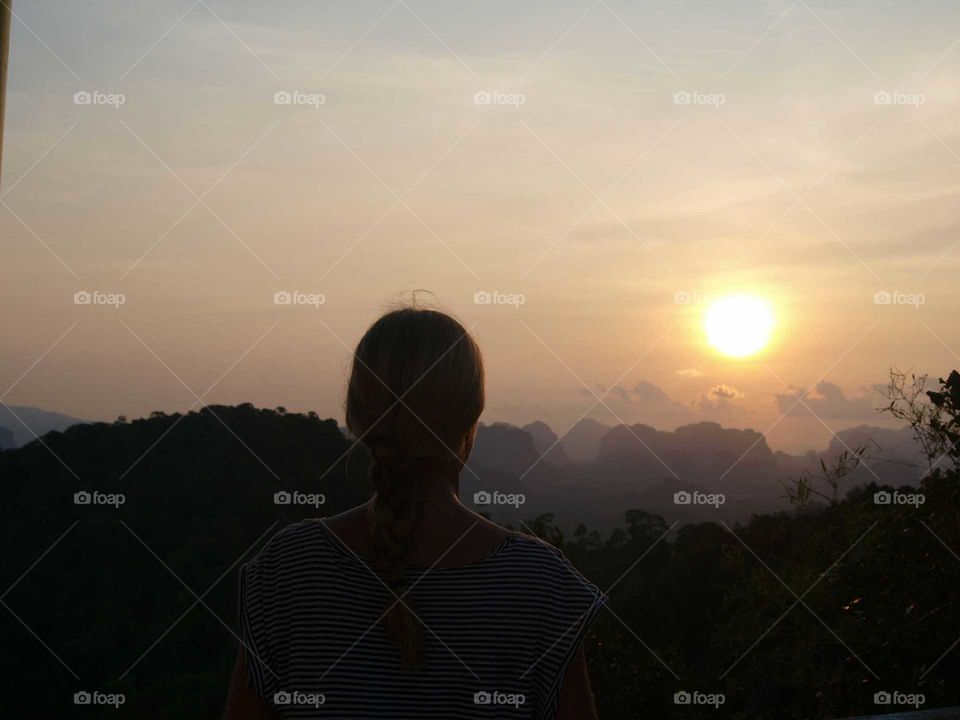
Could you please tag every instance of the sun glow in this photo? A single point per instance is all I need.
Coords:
(739, 325)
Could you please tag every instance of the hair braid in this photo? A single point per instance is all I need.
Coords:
(430, 361)
(395, 514)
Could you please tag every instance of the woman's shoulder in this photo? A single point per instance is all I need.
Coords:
(310, 531)
(290, 546)
(538, 548)
(552, 568)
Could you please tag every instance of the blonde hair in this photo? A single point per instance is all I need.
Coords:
(416, 391)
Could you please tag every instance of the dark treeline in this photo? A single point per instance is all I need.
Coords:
(802, 614)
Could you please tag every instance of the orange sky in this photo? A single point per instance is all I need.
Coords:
(612, 166)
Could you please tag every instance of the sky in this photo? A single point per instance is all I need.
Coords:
(601, 171)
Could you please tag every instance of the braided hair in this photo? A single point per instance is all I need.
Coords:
(414, 396)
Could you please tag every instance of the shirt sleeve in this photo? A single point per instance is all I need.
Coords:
(569, 613)
(253, 617)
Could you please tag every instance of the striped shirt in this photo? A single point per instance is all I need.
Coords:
(498, 634)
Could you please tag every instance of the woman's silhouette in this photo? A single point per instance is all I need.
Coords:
(412, 605)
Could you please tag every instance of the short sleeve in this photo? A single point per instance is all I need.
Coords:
(569, 612)
(253, 622)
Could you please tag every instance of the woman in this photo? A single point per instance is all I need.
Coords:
(411, 605)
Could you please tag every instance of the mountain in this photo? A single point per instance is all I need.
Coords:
(141, 595)
(891, 456)
(504, 447)
(198, 499)
(545, 440)
(727, 459)
(639, 466)
(6, 439)
(583, 441)
(505, 460)
(633, 467)
(14, 417)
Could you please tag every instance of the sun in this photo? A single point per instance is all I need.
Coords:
(739, 325)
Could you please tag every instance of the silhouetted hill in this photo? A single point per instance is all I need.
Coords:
(627, 472)
(144, 589)
(892, 456)
(506, 461)
(6, 439)
(198, 491)
(39, 421)
(726, 459)
(640, 466)
(504, 447)
(583, 441)
(545, 440)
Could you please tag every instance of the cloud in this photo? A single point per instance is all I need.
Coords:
(617, 391)
(725, 392)
(828, 401)
(689, 373)
(645, 403)
(648, 392)
(719, 400)
(620, 392)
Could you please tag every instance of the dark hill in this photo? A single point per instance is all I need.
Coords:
(27, 423)
(199, 493)
(545, 440)
(6, 439)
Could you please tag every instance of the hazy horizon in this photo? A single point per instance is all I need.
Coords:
(631, 165)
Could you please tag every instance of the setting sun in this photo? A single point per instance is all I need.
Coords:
(739, 325)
